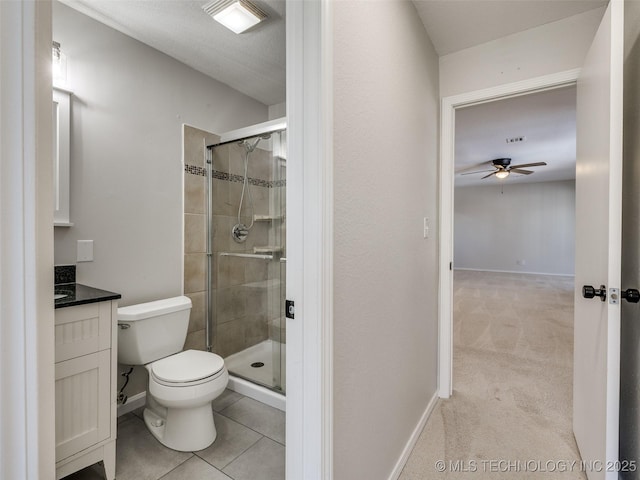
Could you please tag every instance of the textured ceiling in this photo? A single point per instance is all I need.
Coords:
(252, 63)
(547, 119)
(457, 24)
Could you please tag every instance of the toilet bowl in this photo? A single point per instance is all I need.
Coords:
(181, 389)
(181, 385)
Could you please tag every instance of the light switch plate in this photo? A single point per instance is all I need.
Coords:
(85, 251)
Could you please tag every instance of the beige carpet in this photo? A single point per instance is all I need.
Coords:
(510, 413)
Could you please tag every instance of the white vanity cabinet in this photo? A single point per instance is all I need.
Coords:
(86, 390)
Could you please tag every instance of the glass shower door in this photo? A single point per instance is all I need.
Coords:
(248, 258)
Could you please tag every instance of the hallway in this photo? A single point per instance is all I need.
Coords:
(510, 412)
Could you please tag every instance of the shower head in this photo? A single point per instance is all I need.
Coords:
(252, 146)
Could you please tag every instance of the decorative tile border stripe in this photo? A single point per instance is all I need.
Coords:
(231, 177)
(194, 170)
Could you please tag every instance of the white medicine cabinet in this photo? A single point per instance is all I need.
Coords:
(61, 150)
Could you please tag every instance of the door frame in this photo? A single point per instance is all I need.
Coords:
(27, 415)
(309, 425)
(28, 241)
(446, 208)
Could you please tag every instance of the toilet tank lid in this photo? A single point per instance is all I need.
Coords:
(152, 309)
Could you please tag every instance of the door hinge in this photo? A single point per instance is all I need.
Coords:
(290, 308)
(450, 265)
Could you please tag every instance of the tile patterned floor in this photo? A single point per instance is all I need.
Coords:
(250, 446)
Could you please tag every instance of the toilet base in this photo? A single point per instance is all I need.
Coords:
(182, 429)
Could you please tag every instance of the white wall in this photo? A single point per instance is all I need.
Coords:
(550, 48)
(534, 222)
(385, 272)
(630, 324)
(129, 104)
(278, 110)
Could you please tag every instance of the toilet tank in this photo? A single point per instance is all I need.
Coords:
(153, 330)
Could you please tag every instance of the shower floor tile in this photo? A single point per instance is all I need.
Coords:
(242, 446)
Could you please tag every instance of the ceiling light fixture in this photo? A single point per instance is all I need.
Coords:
(237, 15)
(502, 174)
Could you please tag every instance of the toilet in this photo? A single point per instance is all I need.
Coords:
(182, 384)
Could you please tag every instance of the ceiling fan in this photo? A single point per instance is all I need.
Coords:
(503, 168)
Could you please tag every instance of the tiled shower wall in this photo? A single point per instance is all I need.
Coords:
(195, 231)
(246, 292)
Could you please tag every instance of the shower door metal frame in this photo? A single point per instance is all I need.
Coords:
(209, 308)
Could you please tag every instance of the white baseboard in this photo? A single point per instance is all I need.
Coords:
(514, 271)
(413, 439)
(134, 402)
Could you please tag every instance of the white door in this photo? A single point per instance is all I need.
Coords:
(598, 247)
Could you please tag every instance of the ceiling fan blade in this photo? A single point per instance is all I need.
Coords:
(473, 167)
(479, 171)
(537, 164)
(487, 176)
(520, 171)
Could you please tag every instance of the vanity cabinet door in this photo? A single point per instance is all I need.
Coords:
(82, 402)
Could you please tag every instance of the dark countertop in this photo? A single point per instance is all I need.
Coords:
(78, 294)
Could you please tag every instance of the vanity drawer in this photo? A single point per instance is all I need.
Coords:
(82, 329)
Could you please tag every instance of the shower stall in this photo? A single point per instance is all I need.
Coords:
(246, 254)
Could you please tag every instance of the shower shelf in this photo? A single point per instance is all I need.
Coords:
(266, 218)
(264, 284)
(246, 255)
(267, 249)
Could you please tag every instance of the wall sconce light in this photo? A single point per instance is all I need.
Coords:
(59, 66)
(237, 15)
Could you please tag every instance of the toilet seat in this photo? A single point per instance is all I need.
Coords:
(191, 367)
